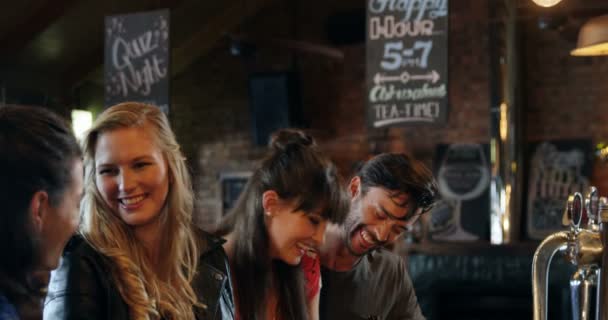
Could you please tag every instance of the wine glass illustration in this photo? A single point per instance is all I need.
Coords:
(463, 175)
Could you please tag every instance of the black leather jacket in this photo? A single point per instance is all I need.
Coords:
(82, 287)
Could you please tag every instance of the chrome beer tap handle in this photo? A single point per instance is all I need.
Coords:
(584, 245)
(603, 279)
(603, 209)
(577, 211)
(592, 205)
(567, 216)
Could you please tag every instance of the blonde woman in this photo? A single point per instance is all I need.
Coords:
(139, 256)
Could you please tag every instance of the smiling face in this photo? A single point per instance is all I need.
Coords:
(131, 174)
(376, 219)
(292, 233)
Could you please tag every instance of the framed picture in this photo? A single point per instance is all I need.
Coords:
(556, 169)
(463, 175)
(232, 184)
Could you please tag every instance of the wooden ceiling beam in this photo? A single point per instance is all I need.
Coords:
(232, 14)
(206, 38)
(32, 26)
(90, 66)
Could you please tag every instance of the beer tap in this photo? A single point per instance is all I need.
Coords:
(582, 246)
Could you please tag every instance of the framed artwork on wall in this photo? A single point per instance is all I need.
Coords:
(232, 184)
(555, 169)
(463, 175)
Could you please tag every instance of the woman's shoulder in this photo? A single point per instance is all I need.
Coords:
(77, 246)
(81, 287)
(208, 242)
(80, 269)
(212, 283)
(212, 254)
(78, 250)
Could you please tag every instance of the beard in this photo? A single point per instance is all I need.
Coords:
(351, 224)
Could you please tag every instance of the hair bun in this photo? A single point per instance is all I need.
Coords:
(284, 139)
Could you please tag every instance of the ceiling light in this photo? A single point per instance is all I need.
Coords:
(546, 3)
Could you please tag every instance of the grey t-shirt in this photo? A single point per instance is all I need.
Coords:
(377, 288)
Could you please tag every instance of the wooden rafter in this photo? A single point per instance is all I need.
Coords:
(200, 41)
(212, 31)
(31, 26)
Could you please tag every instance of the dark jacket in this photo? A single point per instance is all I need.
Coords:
(83, 288)
(7, 310)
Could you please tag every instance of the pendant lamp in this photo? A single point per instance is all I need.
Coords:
(593, 38)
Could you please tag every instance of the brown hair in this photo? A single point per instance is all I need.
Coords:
(295, 169)
(37, 152)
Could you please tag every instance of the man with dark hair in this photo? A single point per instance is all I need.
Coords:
(360, 278)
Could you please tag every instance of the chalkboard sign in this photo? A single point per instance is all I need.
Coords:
(136, 62)
(463, 177)
(556, 169)
(407, 65)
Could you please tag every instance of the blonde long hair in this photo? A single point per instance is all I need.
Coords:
(148, 294)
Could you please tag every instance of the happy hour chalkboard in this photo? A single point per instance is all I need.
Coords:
(136, 62)
(407, 65)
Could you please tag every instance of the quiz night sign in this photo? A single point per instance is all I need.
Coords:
(136, 59)
(406, 62)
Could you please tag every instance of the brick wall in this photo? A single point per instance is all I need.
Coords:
(566, 97)
(211, 108)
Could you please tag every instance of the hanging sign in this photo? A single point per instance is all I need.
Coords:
(407, 62)
(136, 59)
